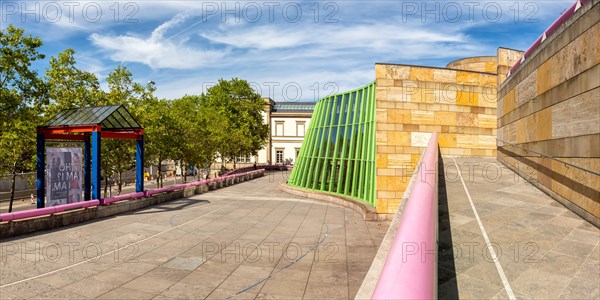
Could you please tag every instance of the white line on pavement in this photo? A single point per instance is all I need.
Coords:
(507, 287)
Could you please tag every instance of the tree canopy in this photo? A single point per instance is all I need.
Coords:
(194, 130)
(240, 109)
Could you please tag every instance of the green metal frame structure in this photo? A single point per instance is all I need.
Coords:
(338, 152)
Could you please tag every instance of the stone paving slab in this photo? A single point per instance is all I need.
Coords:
(245, 241)
(544, 250)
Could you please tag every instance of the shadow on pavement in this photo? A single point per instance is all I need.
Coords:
(447, 288)
(168, 206)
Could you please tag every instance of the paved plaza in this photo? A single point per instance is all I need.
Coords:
(245, 241)
(253, 241)
(543, 250)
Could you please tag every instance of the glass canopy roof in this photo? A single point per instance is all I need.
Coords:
(113, 117)
(294, 106)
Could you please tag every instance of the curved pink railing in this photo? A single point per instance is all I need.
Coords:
(548, 32)
(6, 217)
(410, 270)
(266, 167)
(122, 197)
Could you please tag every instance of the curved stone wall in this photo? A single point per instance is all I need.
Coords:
(487, 64)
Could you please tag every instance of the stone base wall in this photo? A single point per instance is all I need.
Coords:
(368, 212)
(551, 105)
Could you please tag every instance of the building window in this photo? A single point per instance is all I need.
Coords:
(279, 129)
(279, 156)
(300, 125)
(242, 159)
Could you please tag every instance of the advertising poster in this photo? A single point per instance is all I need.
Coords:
(64, 176)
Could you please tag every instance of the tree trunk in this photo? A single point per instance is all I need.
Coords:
(120, 187)
(157, 175)
(159, 179)
(12, 189)
(184, 172)
(106, 185)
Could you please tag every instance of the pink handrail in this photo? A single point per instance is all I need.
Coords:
(46, 211)
(410, 270)
(122, 197)
(548, 32)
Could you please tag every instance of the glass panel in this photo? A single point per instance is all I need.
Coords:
(104, 114)
(58, 119)
(122, 123)
(85, 116)
(80, 116)
(92, 115)
(72, 119)
(339, 141)
(352, 107)
(110, 123)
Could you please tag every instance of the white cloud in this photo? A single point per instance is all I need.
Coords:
(157, 51)
(374, 36)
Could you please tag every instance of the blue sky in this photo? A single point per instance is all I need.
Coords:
(288, 50)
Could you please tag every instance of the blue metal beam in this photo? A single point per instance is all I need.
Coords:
(96, 171)
(41, 174)
(87, 169)
(139, 164)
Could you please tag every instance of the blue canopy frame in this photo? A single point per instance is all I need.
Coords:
(90, 125)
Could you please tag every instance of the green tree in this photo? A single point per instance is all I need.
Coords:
(118, 156)
(19, 84)
(69, 87)
(200, 130)
(22, 94)
(242, 109)
(189, 136)
(211, 124)
(160, 134)
(17, 147)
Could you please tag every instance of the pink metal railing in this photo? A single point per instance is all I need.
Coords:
(6, 217)
(46, 210)
(410, 270)
(548, 32)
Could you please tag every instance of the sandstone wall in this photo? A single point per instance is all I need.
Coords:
(506, 59)
(551, 105)
(487, 64)
(411, 103)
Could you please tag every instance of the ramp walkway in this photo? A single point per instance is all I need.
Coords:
(500, 238)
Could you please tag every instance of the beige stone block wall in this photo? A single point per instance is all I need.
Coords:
(506, 59)
(551, 105)
(487, 64)
(412, 102)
